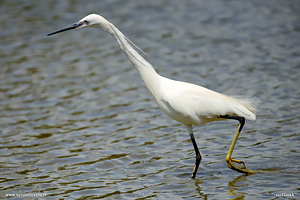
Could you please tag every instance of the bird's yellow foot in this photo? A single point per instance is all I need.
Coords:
(243, 169)
(238, 161)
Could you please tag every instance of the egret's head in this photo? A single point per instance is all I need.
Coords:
(92, 20)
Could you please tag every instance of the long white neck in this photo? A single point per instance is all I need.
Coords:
(145, 69)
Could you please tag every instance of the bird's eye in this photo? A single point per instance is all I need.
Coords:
(86, 22)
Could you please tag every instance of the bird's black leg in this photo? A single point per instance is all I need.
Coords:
(229, 160)
(189, 127)
(198, 155)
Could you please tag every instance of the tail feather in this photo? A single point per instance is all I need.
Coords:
(246, 107)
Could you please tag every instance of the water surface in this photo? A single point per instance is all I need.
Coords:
(77, 122)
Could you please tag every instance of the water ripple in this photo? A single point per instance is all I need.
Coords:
(76, 121)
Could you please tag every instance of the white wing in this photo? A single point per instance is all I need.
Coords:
(193, 104)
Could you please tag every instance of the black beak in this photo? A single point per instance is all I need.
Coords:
(72, 26)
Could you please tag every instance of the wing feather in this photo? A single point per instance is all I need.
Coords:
(189, 102)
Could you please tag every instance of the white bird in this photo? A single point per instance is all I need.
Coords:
(184, 102)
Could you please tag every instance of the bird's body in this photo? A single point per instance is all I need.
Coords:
(192, 104)
(184, 102)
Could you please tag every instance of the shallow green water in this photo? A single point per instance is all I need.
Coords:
(76, 121)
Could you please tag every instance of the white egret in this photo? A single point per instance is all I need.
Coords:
(184, 102)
